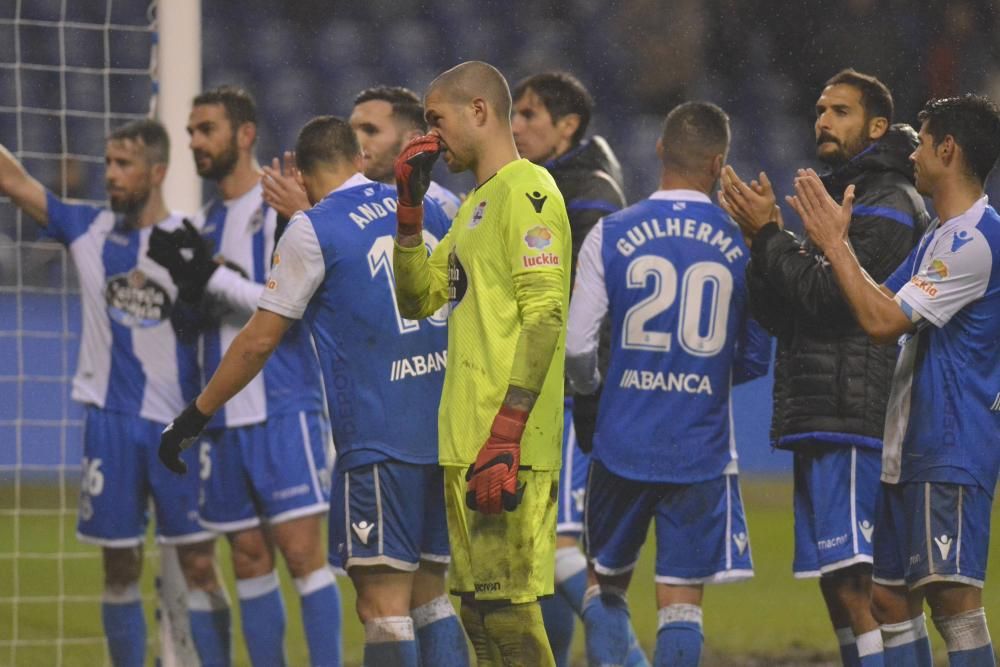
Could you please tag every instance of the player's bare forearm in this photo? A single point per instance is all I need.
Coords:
(26, 192)
(409, 240)
(243, 360)
(873, 307)
(518, 398)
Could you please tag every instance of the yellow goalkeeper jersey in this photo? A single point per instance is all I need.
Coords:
(512, 228)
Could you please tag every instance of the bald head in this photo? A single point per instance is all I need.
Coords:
(469, 80)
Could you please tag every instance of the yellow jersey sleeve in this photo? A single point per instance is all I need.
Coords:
(421, 281)
(538, 232)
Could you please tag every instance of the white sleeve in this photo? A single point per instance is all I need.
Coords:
(587, 309)
(298, 270)
(949, 279)
(233, 289)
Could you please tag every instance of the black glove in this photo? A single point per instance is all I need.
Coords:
(190, 271)
(179, 435)
(585, 419)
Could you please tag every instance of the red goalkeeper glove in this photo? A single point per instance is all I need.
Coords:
(492, 479)
(413, 177)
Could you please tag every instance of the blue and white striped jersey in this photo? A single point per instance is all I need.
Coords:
(445, 198)
(130, 358)
(943, 419)
(242, 231)
(670, 274)
(383, 374)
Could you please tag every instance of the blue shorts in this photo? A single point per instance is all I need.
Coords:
(572, 480)
(389, 513)
(278, 470)
(834, 500)
(701, 530)
(932, 531)
(120, 472)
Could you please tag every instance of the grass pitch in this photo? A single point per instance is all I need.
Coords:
(50, 604)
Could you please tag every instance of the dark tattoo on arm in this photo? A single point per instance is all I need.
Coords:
(519, 399)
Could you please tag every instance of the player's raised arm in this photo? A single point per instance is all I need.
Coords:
(15, 182)
(421, 282)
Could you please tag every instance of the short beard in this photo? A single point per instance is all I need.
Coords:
(131, 205)
(845, 151)
(221, 166)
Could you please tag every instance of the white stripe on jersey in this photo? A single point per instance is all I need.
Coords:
(242, 222)
(154, 346)
(446, 199)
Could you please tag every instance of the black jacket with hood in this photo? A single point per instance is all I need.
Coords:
(831, 383)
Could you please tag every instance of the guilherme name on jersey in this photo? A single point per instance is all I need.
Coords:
(689, 383)
(418, 365)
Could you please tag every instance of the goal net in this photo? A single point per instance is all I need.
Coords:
(70, 71)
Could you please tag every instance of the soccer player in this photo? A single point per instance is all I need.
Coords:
(670, 271)
(383, 377)
(265, 457)
(831, 383)
(551, 114)
(132, 375)
(940, 460)
(504, 268)
(385, 119)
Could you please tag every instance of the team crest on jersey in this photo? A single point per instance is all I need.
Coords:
(477, 215)
(135, 300)
(538, 237)
(257, 221)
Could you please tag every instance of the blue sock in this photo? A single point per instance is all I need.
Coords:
(906, 644)
(560, 621)
(870, 650)
(606, 620)
(440, 635)
(210, 621)
(320, 599)
(680, 637)
(390, 641)
(848, 647)
(636, 656)
(124, 627)
(263, 619)
(967, 638)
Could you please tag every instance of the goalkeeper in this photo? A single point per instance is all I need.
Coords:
(504, 268)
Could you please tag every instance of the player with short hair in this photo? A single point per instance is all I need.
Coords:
(831, 383)
(504, 268)
(265, 457)
(551, 113)
(383, 378)
(670, 272)
(385, 119)
(133, 373)
(940, 462)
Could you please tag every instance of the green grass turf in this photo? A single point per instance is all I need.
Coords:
(770, 619)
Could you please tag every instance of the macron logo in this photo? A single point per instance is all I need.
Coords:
(741, 541)
(866, 529)
(363, 530)
(944, 545)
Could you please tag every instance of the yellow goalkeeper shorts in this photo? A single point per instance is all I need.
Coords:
(506, 556)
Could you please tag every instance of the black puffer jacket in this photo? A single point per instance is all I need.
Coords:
(830, 382)
(590, 180)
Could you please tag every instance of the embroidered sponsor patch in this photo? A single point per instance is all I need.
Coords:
(538, 237)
